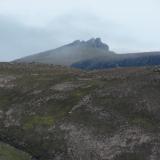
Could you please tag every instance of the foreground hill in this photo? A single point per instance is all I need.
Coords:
(55, 113)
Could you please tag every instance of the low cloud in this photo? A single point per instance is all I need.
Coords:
(28, 28)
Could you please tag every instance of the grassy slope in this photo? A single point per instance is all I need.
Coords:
(8, 152)
(31, 109)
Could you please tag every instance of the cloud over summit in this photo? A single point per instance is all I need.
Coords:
(28, 26)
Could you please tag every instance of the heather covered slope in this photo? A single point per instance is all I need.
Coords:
(57, 113)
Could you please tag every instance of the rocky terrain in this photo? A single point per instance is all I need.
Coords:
(55, 113)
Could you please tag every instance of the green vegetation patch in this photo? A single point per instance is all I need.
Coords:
(144, 119)
(60, 108)
(125, 107)
(8, 152)
(143, 122)
(34, 121)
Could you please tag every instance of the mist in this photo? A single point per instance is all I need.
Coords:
(28, 27)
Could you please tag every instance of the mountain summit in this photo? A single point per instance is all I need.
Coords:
(70, 53)
(94, 43)
(97, 43)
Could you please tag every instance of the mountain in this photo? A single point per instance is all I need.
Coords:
(92, 54)
(70, 53)
(56, 113)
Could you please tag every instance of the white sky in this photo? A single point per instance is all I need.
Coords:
(31, 26)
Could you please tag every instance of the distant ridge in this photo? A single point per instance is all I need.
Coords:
(91, 54)
(120, 60)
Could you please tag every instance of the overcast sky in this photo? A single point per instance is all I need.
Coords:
(31, 26)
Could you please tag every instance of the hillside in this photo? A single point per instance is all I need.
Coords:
(55, 113)
(120, 60)
(70, 53)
